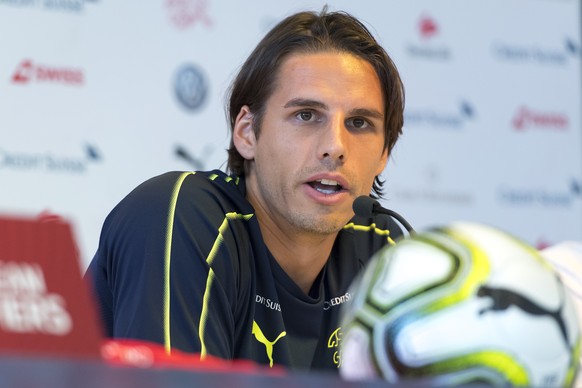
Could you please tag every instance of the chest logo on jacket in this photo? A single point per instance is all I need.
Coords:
(258, 333)
(334, 343)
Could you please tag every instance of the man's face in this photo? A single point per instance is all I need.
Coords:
(320, 145)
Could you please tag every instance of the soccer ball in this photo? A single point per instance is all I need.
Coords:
(460, 304)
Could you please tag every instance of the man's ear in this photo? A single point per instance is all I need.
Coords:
(243, 134)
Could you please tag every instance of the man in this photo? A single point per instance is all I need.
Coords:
(255, 265)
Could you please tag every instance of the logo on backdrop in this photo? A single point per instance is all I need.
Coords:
(556, 55)
(46, 161)
(531, 119)
(433, 119)
(191, 87)
(73, 6)
(542, 243)
(427, 27)
(197, 162)
(428, 46)
(546, 197)
(431, 191)
(29, 72)
(186, 13)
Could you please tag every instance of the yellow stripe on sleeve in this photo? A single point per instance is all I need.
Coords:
(167, 258)
(372, 227)
(215, 247)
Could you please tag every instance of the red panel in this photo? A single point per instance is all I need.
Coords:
(45, 305)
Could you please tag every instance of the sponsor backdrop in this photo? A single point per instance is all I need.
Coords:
(97, 96)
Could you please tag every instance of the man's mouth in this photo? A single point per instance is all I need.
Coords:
(326, 186)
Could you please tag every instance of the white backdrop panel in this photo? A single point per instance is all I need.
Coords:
(493, 92)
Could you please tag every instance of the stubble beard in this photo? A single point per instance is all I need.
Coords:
(321, 225)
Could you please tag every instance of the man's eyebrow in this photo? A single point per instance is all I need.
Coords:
(308, 103)
(305, 103)
(372, 113)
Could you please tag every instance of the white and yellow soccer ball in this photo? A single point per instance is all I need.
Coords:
(461, 304)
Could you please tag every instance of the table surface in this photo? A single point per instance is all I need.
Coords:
(26, 372)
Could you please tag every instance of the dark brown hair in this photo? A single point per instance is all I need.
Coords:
(309, 32)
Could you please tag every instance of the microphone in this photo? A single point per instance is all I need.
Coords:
(367, 207)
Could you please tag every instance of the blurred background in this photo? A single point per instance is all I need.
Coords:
(98, 95)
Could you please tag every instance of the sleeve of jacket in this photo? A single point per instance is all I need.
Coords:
(166, 269)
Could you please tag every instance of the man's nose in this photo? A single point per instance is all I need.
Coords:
(333, 140)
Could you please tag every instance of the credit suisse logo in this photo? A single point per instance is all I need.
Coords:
(526, 119)
(428, 46)
(46, 161)
(432, 118)
(558, 54)
(433, 191)
(71, 6)
(27, 72)
(187, 13)
(545, 197)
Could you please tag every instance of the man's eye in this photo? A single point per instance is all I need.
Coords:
(305, 115)
(359, 123)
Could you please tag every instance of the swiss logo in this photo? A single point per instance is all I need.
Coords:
(27, 72)
(529, 119)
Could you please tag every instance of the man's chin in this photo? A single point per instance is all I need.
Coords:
(322, 225)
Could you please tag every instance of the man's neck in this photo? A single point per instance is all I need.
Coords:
(302, 256)
(302, 253)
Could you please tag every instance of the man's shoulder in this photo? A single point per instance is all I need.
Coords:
(172, 183)
(172, 179)
(169, 191)
(361, 237)
(381, 225)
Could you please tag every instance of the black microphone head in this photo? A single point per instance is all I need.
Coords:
(364, 206)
